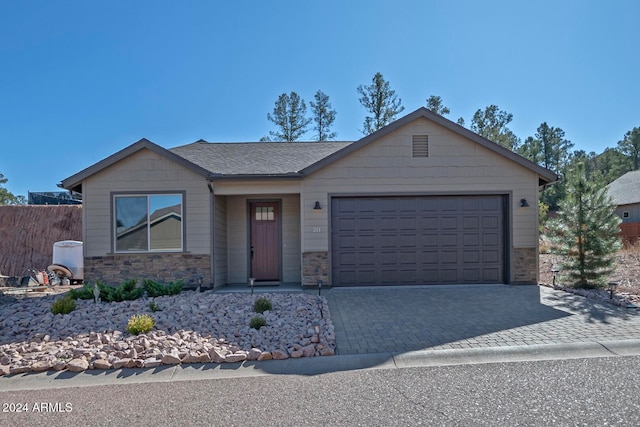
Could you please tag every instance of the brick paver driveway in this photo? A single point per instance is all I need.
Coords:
(401, 319)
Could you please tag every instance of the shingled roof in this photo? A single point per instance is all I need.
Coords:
(626, 189)
(256, 158)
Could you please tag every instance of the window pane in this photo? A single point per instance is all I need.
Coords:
(165, 222)
(131, 224)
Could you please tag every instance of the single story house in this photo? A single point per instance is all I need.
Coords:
(625, 193)
(420, 201)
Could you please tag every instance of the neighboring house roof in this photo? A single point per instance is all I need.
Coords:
(257, 158)
(286, 159)
(626, 189)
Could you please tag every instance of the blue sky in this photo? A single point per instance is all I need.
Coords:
(81, 80)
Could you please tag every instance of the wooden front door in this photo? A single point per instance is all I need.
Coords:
(265, 240)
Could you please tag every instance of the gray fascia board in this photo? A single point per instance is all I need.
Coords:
(75, 180)
(546, 176)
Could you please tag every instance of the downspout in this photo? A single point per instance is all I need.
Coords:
(212, 228)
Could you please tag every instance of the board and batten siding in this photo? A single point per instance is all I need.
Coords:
(220, 242)
(144, 171)
(455, 166)
(238, 236)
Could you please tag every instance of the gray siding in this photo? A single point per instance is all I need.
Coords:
(220, 244)
(144, 171)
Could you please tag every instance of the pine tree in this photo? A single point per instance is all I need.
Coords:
(381, 101)
(323, 115)
(586, 231)
(435, 104)
(290, 115)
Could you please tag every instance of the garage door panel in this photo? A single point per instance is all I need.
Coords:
(418, 240)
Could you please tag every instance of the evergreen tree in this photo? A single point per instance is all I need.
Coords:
(630, 146)
(435, 104)
(492, 124)
(323, 115)
(290, 115)
(381, 101)
(8, 198)
(586, 231)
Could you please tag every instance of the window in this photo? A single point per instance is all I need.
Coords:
(148, 223)
(264, 213)
(420, 145)
(625, 214)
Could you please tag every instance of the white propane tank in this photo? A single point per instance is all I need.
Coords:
(69, 254)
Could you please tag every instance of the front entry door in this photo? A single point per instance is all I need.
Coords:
(265, 240)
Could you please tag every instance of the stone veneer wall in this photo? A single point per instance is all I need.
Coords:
(114, 269)
(524, 265)
(315, 266)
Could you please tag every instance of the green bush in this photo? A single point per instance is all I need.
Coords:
(127, 291)
(140, 324)
(155, 289)
(261, 305)
(63, 305)
(257, 322)
(154, 307)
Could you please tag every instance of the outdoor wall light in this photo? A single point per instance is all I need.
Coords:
(317, 206)
(554, 269)
(252, 282)
(523, 203)
(612, 289)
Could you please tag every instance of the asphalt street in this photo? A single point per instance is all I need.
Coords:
(593, 391)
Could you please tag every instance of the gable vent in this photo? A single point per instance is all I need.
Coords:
(420, 145)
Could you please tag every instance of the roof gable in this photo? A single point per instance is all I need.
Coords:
(74, 182)
(545, 175)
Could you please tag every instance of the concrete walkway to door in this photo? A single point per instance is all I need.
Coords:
(403, 319)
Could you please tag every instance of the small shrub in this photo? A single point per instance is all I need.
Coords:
(257, 322)
(140, 324)
(155, 289)
(261, 305)
(63, 305)
(85, 292)
(154, 307)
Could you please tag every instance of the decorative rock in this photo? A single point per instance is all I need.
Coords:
(170, 359)
(254, 354)
(235, 357)
(216, 356)
(152, 363)
(120, 363)
(13, 370)
(309, 351)
(4, 370)
(327, 351)
(77, 365)
(41, 366)
(265, 355)
(213, 327)
(102, 364)
(279, 354)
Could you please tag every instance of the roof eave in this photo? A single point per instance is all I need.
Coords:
(74, 182)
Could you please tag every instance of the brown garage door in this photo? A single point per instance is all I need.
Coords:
(418, 240)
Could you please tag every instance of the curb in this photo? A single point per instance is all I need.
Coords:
(323, 365)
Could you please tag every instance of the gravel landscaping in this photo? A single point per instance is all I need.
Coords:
(192, 327)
